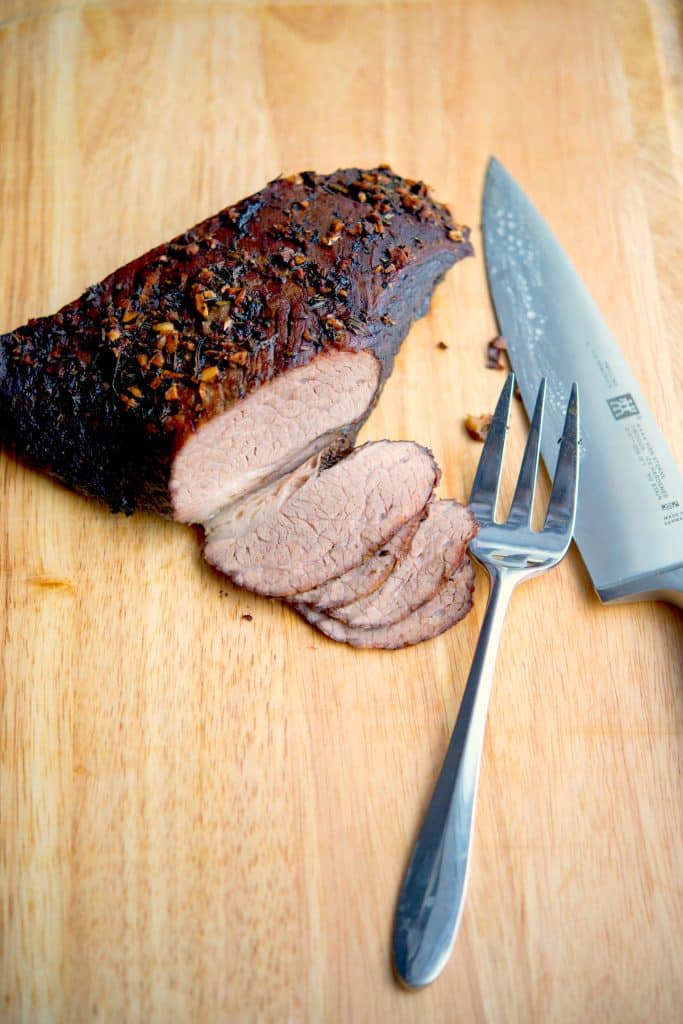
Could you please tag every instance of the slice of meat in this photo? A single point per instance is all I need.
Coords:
(330, 525)
(309, 409)
(436, 551)
(451, 603)
(366, 578)
(246, 513)
(106, 393)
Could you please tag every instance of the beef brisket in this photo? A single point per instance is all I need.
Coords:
(105, 393)
(435, 552)
(451, 603)
(222, 379)
(309, 409)
(366, 578)
(331, 524)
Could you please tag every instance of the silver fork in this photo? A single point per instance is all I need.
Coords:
(433, 893)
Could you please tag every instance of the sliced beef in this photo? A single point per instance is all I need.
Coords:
(123, 391)
(311, 408)
(435, 552)
(366, 578)
(222, 378)
(331, 524)
(245, 515)
(450, 604)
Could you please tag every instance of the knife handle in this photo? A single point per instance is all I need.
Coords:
(658, 586)
(668, 586)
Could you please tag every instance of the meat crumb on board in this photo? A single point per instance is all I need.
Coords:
(494, 351)
(478, 426)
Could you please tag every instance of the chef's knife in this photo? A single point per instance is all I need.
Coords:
(629, 525)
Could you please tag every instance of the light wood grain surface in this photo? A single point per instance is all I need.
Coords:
(206, 817)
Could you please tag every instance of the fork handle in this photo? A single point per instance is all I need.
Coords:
(433, 891)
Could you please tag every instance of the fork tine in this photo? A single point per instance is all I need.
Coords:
(562, 505)
(523, 500)
(484, 493)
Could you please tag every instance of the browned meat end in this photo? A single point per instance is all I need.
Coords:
(330, 525)
(271, 431)
(105, 392)
(437, 549)
(367, 577)
(450, 604)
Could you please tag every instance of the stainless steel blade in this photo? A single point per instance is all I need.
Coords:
(629, 525)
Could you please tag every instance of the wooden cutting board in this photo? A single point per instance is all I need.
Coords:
(207, 807)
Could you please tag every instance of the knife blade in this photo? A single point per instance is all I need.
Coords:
(629, 526)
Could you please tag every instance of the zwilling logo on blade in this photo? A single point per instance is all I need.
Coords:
(623, 406)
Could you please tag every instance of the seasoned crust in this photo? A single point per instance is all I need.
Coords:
(103, 393)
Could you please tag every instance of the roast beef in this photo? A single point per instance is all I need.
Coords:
(122, 392)
(222, 379)
(450, 604)
(435, 552)
(329, 525)
(364, 579)
(308, 409)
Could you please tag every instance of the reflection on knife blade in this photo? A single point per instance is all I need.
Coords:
(631, 487)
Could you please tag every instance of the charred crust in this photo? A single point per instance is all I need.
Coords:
(103, 392)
